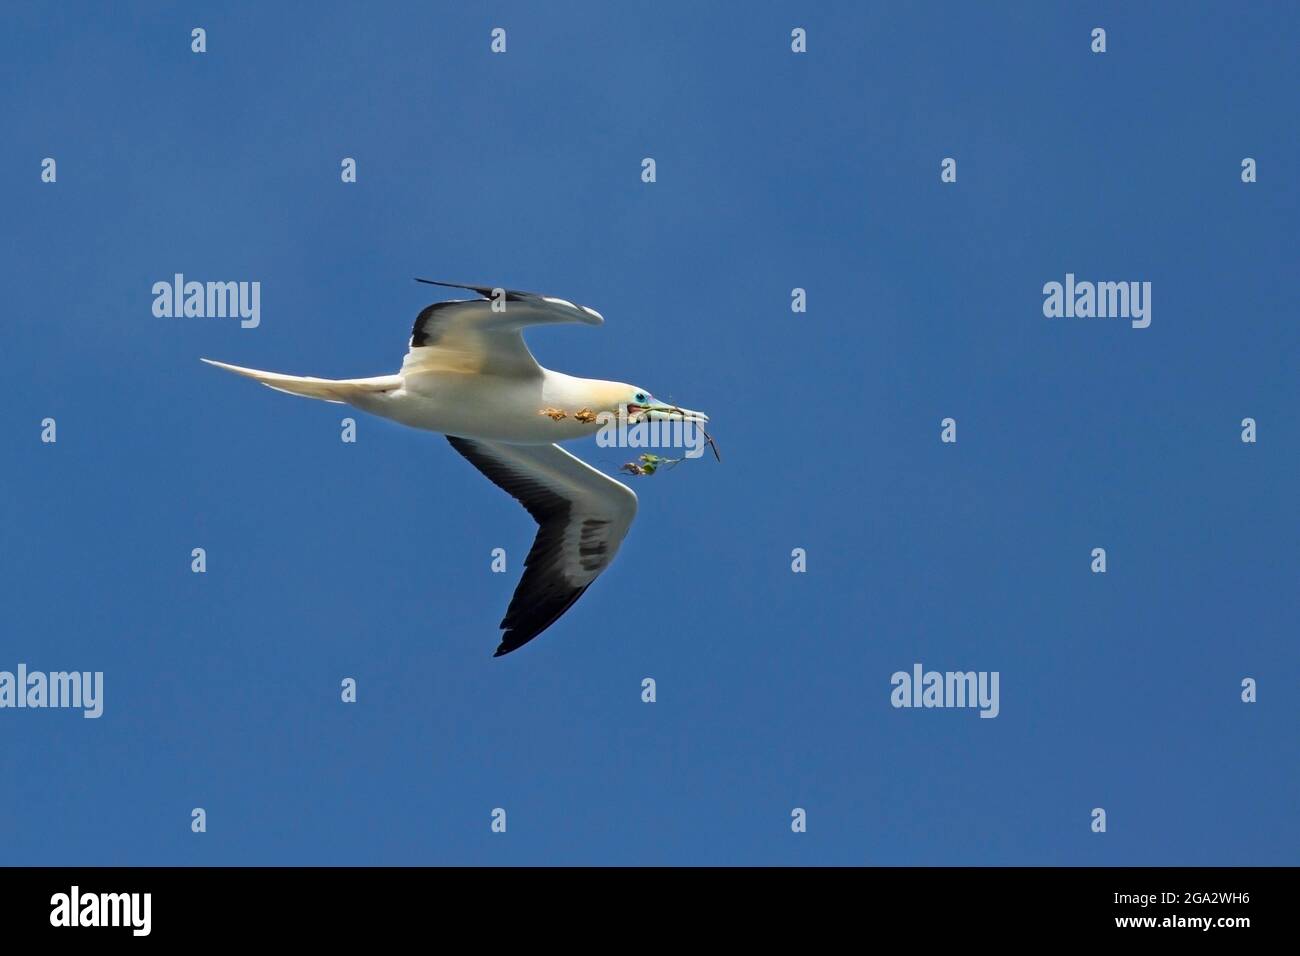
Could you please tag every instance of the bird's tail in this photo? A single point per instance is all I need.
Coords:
(326, 389)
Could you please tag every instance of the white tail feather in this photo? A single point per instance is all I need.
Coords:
(325, 389)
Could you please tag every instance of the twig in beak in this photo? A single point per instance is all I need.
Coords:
(711, 443)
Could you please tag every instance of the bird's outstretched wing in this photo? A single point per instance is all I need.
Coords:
(582, 518)
(485, 335)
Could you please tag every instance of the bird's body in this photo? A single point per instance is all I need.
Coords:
(469, 375)
(497, 407)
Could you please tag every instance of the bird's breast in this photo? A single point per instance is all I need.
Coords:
(483, 407)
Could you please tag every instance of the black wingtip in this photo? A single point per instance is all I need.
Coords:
(483, 290)
(486, 291)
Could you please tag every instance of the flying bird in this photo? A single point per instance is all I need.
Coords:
(469, 375)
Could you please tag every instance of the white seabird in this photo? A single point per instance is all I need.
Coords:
(469, 375)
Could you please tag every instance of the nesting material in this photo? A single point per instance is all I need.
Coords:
(713, 446)
(648, 465)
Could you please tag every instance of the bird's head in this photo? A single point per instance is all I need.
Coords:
(623, 405)
(639, 405)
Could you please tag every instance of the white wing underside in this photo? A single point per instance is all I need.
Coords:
(485, 336)
(582, 516)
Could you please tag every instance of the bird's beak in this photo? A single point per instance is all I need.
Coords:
(662, 411)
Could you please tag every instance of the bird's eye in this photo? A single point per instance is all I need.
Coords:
(640, 397)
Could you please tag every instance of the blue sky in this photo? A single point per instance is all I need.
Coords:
(774, 170)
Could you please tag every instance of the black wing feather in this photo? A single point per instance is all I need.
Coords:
(543, 593)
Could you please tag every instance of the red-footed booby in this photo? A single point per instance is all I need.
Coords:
(469, 375)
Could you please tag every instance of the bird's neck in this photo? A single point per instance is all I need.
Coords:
(573, 394)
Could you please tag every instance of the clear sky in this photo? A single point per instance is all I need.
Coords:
(775, 170)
